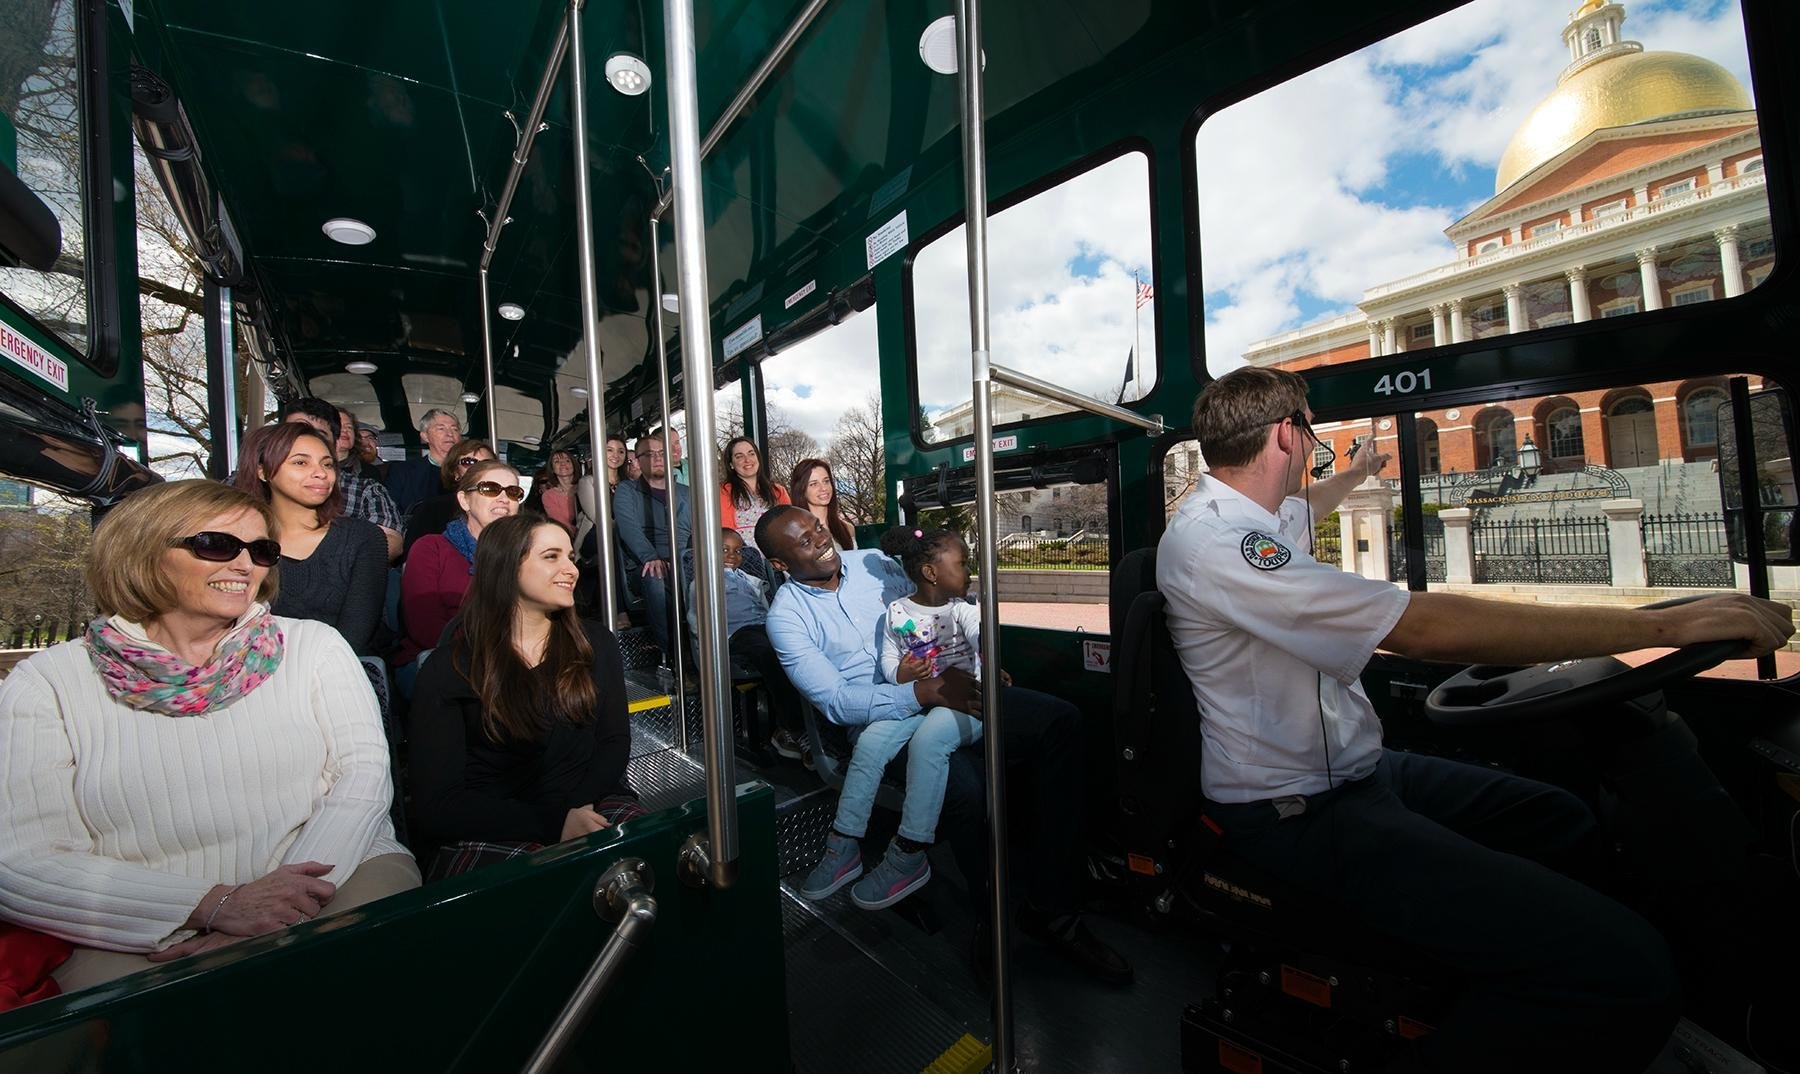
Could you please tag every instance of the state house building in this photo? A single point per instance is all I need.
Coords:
(1636, 185)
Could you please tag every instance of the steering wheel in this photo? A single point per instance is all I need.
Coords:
(1493, 695)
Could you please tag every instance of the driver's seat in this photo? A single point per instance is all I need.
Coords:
(1283, 939)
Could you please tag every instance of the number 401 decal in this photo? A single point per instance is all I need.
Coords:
(1404, 382)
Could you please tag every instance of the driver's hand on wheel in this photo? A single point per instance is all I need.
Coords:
(1764, 625)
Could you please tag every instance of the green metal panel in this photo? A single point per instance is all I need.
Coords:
(464, 976)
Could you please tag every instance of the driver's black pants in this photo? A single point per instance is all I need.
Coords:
(1440, 855)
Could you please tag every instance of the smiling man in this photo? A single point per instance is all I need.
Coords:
(825, 624)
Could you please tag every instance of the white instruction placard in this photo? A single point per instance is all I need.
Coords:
(33, 358)
(1097, 656)
(747, 333)
(886, 240)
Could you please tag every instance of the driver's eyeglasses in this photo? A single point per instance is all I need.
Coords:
(495, 488)
(216, 547)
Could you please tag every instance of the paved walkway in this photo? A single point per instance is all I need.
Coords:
(1088, 617)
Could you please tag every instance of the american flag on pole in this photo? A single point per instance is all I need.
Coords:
(1145, 292)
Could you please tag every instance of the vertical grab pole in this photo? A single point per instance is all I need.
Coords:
(696, 364)
(487, 368)
(221, 382)
(974, 147)
(676, 597)
(590, 317)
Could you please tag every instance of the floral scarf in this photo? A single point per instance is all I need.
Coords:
(457, 533)
(142, 675)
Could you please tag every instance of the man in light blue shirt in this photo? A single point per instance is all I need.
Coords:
(826, 625)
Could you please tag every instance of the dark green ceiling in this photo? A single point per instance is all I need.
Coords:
(393, 112)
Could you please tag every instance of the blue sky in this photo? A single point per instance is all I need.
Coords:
(1352, 171)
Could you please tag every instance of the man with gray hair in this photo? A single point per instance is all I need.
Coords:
(1451, 858)
(413, 481)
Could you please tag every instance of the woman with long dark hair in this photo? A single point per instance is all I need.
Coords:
(519, 732)
(746, 494)
(333, 567)
(813, 487)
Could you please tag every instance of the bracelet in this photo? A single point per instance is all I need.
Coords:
(207, 926)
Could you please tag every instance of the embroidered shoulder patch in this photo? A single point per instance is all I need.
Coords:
(1263, 552)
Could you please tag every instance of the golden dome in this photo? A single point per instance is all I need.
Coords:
(1633, 87)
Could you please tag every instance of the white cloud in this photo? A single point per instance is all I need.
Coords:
(1295, 214)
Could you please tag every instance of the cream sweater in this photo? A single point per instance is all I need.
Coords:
(114, 822)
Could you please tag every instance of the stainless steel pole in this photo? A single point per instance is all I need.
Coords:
(487, 368)
(1150, 423)
(590, 317)
(788, 40)
(527, 135)
(696, 364)
(974, 146)
(677, 597)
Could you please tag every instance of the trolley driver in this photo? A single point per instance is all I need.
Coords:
(1446, 856)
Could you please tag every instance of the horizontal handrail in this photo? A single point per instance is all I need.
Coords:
(1150, 423)
(623, 897)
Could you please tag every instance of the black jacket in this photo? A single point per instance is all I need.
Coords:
(465, 787)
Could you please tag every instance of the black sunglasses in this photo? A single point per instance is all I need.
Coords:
(468, 460)
(495, 488)
(216, 547)
(1318, 469)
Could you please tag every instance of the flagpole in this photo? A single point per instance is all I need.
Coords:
(1137, 343)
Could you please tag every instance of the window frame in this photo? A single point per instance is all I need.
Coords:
(1617, 308)
(93, 109)
(908, 310)
(1675, 188)
(1699, 287)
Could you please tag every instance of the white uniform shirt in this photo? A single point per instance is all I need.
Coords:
(1273, 641)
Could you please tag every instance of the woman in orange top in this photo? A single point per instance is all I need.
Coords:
(746, 494)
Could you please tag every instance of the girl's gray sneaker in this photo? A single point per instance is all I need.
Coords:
(899, 875)
(842, 863)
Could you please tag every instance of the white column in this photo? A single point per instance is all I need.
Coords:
(1375, 350)
(1440, 327)
(1715, 172)
(1646, 259)
(1579, 309)
(1731, 262)
(1459, 551)
(1625, 542)
(1368, 507)
(1459, 332)
(1515, 308)
(1389, 341)
(1518, 234)
(1640, 196)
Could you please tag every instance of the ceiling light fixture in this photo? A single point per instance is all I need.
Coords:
(578, 390)
(937, 46)
(628, 74)
(532, 440)
(350, 232)
(470, 397)
(672, 303)
(512, 311)
(361, 366)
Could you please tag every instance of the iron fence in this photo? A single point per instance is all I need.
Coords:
(1562, 550)
(1088, 551)
(1328, 543)
(1687, 550)
(1434, 551)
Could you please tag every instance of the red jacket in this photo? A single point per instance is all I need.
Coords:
(432, 587)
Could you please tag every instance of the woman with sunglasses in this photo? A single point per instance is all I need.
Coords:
(333, 566)
(438, 568)
(195, 770)
(519, 732)
(432, 515)
(746, 494)
(814, 488)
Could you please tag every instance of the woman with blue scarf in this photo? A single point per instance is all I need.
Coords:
(437, 570)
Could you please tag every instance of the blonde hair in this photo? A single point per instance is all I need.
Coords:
(124, 568)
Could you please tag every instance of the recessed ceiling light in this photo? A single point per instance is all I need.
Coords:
(360, 366)
(937, 46)
(578, 390)
(512, 311)
(628, 74)
(672, 303)
(528, 439)
(348, 231)
(470, 397)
